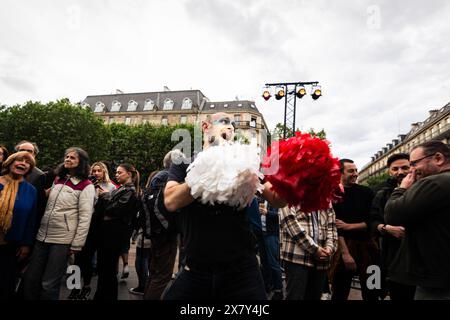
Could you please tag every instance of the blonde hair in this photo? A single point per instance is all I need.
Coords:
(22, 155)
(104, 169)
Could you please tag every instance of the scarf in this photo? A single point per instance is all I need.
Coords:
(7, 199)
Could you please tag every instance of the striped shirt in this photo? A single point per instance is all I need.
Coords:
(302, 234)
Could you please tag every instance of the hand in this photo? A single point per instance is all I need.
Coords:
(329, 251)
(321, 254)
(408, 180)
(23, 252)
(100, 190)
(398, 232)
(71, 252)
(342, 225)
(262, 209)
(349, 262)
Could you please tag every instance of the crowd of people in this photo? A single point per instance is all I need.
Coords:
(76, 214)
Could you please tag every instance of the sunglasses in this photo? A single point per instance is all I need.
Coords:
(224, 121)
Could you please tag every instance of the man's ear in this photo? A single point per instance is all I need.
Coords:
(205, 126)
(440, 159)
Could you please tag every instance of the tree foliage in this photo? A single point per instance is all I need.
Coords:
(54, 126)
(374, 181)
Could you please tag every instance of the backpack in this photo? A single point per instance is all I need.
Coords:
(156, 220)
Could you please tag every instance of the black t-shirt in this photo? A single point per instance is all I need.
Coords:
(355, 208)
(213, 235)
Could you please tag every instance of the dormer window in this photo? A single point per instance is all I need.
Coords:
(99, 107)
(149, 104)
(187, 104)
(212, 106)
(85, 105)
(132, 105)
(239, 105)
(115, 105)
(168, 104)
(225, 105)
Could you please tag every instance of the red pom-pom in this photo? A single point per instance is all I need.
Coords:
(308, 176)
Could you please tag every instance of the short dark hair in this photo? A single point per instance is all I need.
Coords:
(435, 146)
(342, 162)
(35, 147)
(396, 157)
(83, 169)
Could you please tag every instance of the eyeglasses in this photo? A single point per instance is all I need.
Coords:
(416, 162)
(224, 121)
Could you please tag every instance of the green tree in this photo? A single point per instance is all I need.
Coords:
(374, 181)
(54, 126)
(143, 145)
(320, 134)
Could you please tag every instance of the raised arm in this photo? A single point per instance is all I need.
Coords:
(177, 196)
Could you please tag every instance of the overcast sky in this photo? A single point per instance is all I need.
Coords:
(382, 64)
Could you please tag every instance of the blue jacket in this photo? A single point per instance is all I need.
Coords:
(23, 223)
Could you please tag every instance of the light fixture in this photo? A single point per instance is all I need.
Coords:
(301, 91)
(266, 93)
(316, 92)
(280, 93)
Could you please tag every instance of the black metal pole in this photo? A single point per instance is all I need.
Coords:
(285, 111)
(295, 107)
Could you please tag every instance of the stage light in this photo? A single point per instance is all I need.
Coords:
(280, 93)
(300, 92)
(317, 92)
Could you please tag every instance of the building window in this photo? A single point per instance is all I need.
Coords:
(237, 117)
(99, 107)
(132, 105)
(115, 105)
(239, 105)
(128, 120)
(183, 119)
(168, 104)
(85, 105)
(253, 106)
(211, 106)
(164, 121)
(225, 105)
(253, 122)
(187, 104)
(149, 104)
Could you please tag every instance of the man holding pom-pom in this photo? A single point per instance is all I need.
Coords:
(220, 257)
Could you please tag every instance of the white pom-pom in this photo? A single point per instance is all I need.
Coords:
(227, 174)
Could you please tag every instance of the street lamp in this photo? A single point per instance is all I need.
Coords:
(290, 91)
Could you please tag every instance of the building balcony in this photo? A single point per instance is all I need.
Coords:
(248, 125)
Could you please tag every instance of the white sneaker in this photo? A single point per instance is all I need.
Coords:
(125, 272)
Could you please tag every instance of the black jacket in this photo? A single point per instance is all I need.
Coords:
(424, 211)
(388, 243)
(121, 203)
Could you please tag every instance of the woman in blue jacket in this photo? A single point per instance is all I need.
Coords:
(17, 217)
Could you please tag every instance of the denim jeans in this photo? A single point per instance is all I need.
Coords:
(303, 283)
(48, 264)
(270, 262)
(141, 264)
(239, 281)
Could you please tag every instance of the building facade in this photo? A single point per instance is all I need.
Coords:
(176, 107)
(435, 127)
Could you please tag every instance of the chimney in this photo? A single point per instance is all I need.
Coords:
(414, 126)
(433, 112)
